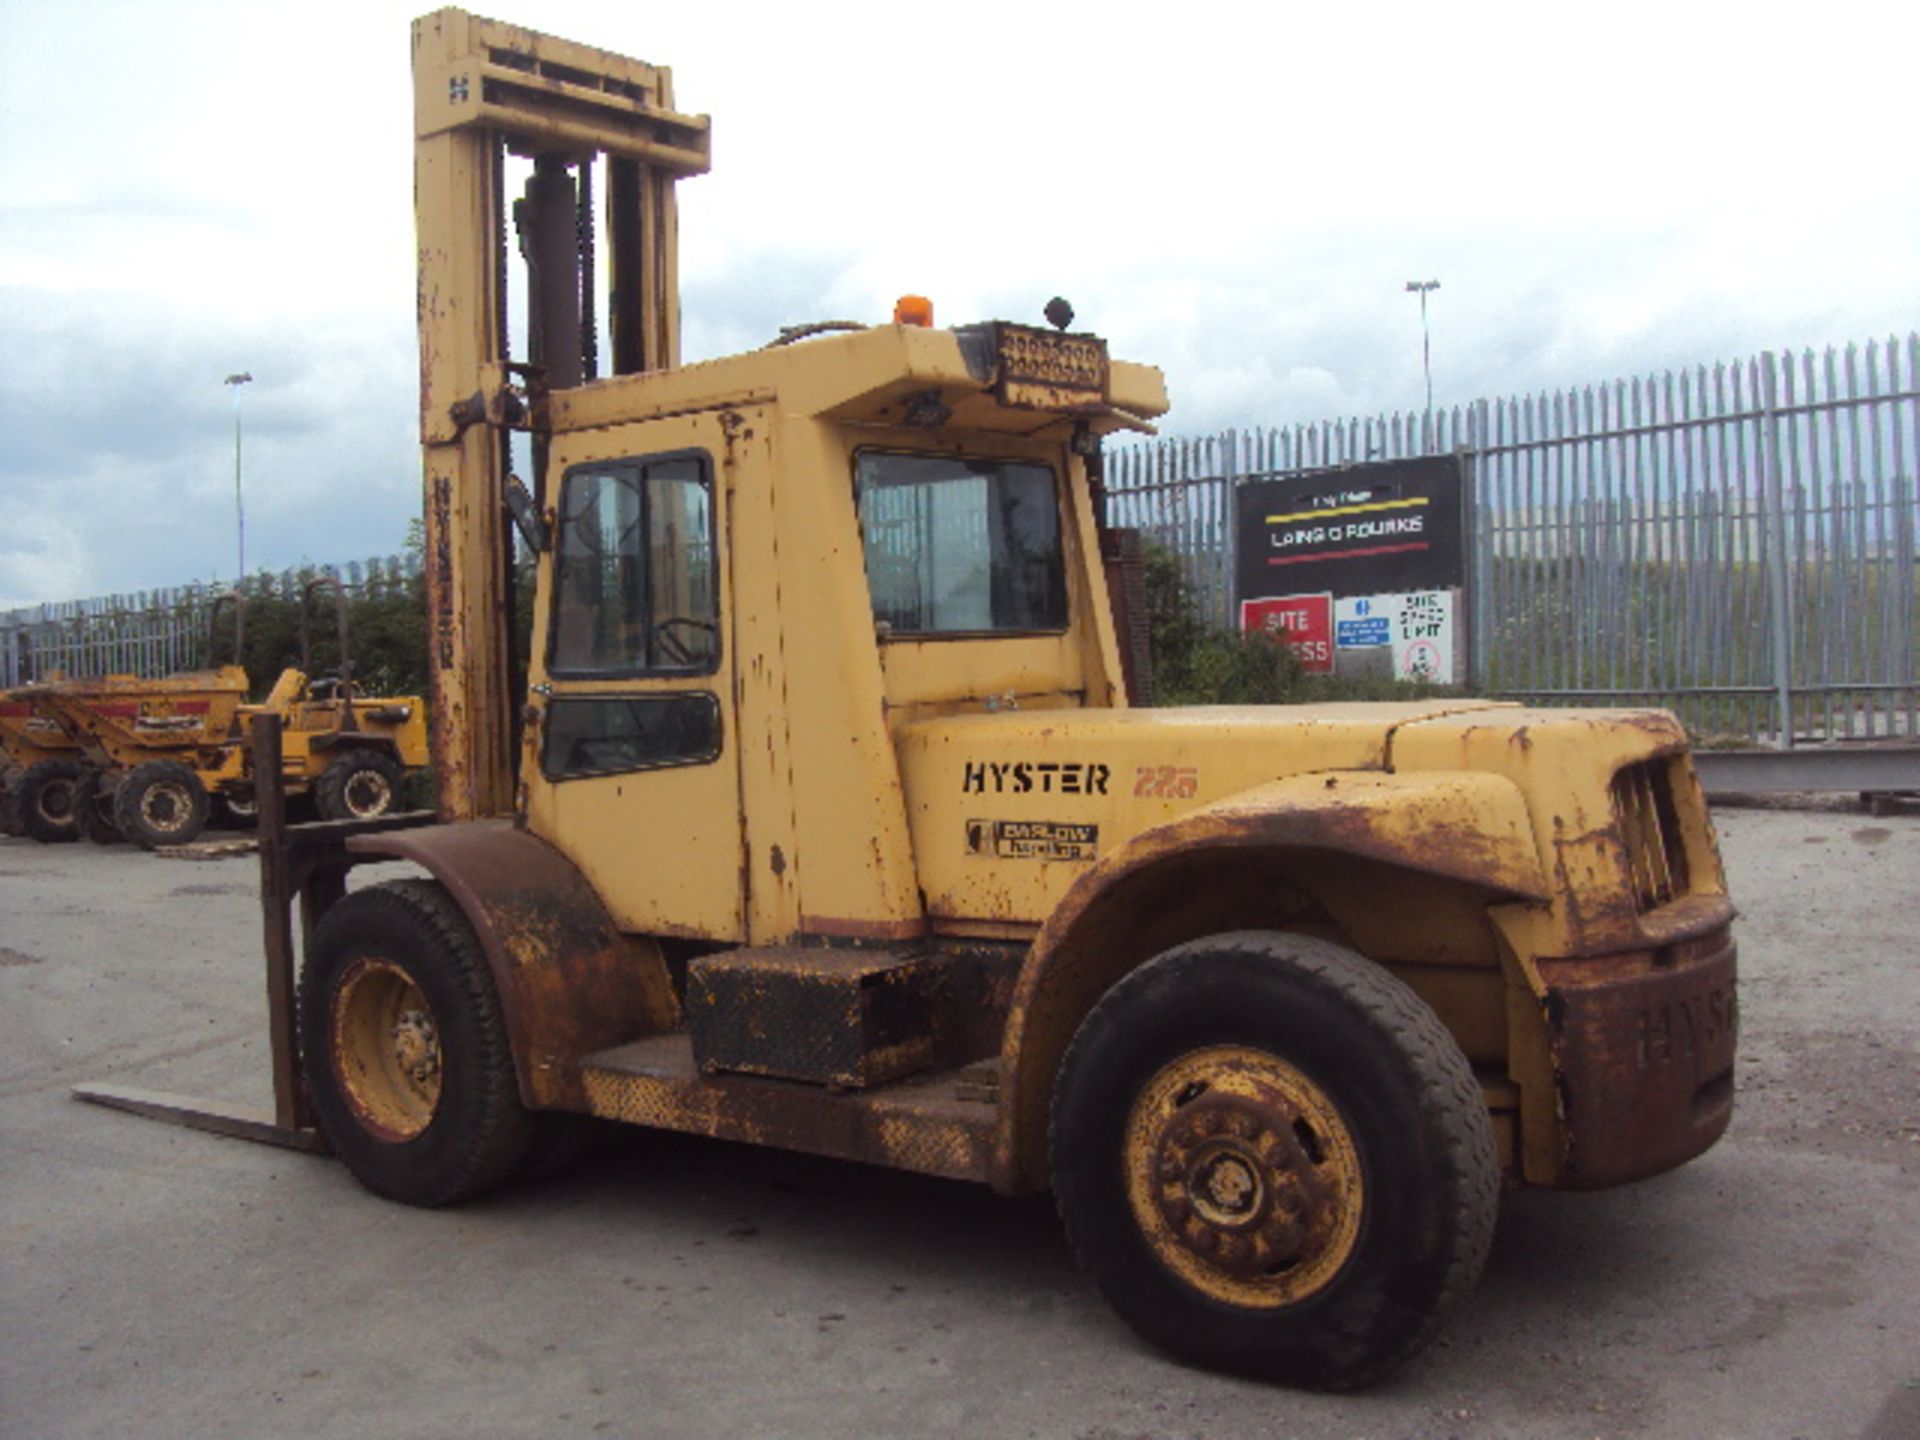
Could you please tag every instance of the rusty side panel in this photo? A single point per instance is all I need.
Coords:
(939, 1126)
(569, 982)
(1642, 1049)
(1227, 866)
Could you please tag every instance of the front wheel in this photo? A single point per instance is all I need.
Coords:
(359, 785)
(161, 802)
(405, 1048)
(11, 822)
(237, 810)
(1274, 1159)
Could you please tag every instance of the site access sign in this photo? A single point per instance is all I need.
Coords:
(1360, 571)
(1303, 623)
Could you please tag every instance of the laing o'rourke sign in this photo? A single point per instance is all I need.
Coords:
(1361, 570)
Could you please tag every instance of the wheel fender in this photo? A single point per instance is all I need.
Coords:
(570, 983)
(344, 740)
(1472, 829)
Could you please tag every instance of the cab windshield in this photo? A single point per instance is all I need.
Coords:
(961, 546)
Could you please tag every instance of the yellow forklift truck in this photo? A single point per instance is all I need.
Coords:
(832, 828)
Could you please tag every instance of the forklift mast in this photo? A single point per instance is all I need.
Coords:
(582, 117)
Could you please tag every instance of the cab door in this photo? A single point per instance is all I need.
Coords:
(631, 753)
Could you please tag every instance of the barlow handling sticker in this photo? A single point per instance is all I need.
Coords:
(1032, 839)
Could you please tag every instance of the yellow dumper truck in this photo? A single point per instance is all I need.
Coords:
(147, 759)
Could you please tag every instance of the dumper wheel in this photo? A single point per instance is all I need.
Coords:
(45, 798)
(405, 1048)
(237, 812)
(161, 802)
(359, 785)
(1273, 1159)
(93, 796)
(11, 822)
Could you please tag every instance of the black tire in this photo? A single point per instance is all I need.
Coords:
(10, 819)
(358, 785)
(1311, 1114)
(425, 1110)
(237, 812)
(161, 802)
(93, 798)
(45, 801)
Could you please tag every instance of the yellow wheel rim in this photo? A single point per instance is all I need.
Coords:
(165, 807)
(1243, 1177)
(386, 1049)
(367, 794)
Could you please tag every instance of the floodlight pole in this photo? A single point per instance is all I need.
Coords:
(236, 380)
(1423, 288)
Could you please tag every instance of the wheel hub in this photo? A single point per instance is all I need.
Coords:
(1243, 1176)
(165, 807)
(55, 801)
(1236, 1186)
(367, 794)
(386, 1049)
(415, 1046)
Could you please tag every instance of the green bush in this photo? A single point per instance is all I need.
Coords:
(386, 625)
(1195, 663)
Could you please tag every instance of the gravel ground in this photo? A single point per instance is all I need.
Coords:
(160, 1282)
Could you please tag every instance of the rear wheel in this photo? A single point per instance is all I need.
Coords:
(1274, 1159)
(93, 797)
(45, 801)
(405, 1048)
(359, 785)
(237, 811)
(161, 802)
(10, 821)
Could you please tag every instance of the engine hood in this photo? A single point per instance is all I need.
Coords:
(1008, 809)
(1049, 791)
(1101, 752)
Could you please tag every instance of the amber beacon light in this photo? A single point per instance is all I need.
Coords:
(913, 310)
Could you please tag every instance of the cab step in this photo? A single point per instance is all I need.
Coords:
(938, 1124)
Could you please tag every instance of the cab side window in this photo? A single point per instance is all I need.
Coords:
(635, 597)
(634, 575)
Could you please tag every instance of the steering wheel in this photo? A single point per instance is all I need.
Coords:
(679, 649)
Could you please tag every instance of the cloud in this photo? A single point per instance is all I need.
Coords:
(118, 474)
(1237, 196)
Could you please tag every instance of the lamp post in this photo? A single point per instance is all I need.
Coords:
(236, 380)
(1423, 288)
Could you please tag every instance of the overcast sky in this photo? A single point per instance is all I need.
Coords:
(1237, 193)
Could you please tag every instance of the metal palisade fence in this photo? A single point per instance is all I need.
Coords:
(1736, 541)
(155, 632)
